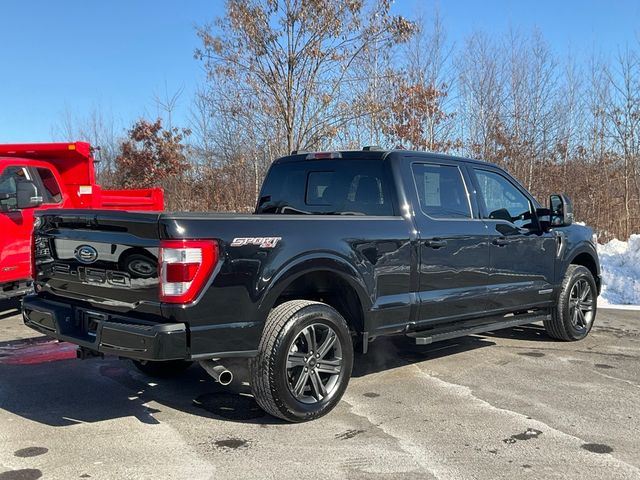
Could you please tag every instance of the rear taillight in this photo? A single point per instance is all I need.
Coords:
(185, 266)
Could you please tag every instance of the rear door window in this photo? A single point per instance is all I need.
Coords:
(442, 192)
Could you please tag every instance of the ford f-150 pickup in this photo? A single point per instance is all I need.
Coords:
(343, 247)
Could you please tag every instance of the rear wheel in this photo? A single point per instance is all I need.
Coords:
(573, 316)
(167, 369)
(304, 361)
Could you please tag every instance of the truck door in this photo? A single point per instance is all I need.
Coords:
(453, 245)
(522, 257)
(15, 225)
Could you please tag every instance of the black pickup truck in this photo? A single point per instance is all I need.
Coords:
(343, 247)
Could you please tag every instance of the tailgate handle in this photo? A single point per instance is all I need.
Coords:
(436, 243)
(500, 242)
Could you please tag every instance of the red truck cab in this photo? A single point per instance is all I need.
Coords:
(50, 175)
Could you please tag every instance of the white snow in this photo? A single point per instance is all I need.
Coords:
(620, 264)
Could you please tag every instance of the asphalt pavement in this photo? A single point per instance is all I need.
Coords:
(512, 404)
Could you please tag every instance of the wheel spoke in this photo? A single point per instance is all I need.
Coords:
(318, 387)
(295, 359)
(301, 383)
(310, 336)
(574, 316)
(587, 306)
(576, 291)
(327, 344)
(330, 366)
(581, 318)
(586, 291)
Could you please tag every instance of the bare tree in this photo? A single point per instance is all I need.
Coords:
(98, 127)
(288, 62)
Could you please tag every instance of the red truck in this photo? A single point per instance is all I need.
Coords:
(50, 175)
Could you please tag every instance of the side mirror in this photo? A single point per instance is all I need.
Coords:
(27, 195)
(561, 210)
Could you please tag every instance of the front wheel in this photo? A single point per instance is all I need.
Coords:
(573, 316)
(304, 361)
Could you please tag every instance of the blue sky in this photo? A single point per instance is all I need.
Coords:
(73, 56)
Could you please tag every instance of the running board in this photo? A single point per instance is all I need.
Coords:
(425, 338)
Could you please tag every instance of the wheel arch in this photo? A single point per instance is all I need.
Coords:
(329, 279)
(588, 259)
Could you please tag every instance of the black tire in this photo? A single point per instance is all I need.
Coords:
(272, 377)
(562, 325)
(166, 369)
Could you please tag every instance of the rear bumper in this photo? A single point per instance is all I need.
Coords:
(106, 333)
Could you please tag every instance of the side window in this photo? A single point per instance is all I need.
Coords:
(503, 200)
(50, 187)
(8, 181)
(441, 191)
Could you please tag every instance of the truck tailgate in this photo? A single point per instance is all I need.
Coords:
(103, 258)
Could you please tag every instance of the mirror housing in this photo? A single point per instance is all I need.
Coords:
(27, 195)
(561, 210)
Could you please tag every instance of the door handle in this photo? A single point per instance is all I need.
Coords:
(436, 243)
(500, 242)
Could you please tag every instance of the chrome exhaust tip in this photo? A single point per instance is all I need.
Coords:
(218, 372)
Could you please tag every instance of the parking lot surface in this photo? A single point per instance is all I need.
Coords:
(512, 404)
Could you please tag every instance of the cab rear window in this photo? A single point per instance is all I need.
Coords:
(51, 189)
(329, 187)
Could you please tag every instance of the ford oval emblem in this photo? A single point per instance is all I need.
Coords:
(86, 254)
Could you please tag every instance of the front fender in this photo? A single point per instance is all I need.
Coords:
(571, 254)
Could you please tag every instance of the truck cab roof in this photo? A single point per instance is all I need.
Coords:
(373, 154)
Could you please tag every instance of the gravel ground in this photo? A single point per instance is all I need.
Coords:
(514, 404)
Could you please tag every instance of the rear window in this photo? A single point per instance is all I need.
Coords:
(329, 187)
(51, 193)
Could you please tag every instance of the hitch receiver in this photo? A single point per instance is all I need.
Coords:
(84, 353)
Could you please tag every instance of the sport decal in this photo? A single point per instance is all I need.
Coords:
(262, 242)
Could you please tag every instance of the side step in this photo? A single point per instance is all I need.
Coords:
(425, 338)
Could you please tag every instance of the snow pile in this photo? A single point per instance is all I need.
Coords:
(620, 264)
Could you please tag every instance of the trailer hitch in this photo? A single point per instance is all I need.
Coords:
(84, 353)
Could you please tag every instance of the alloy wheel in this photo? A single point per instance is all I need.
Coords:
(581, 304)
(314, 363)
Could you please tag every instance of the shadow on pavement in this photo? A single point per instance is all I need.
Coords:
(41, 383)
(532, 333)
(9, 308)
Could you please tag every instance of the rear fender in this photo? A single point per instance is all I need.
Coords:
(316, 262)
